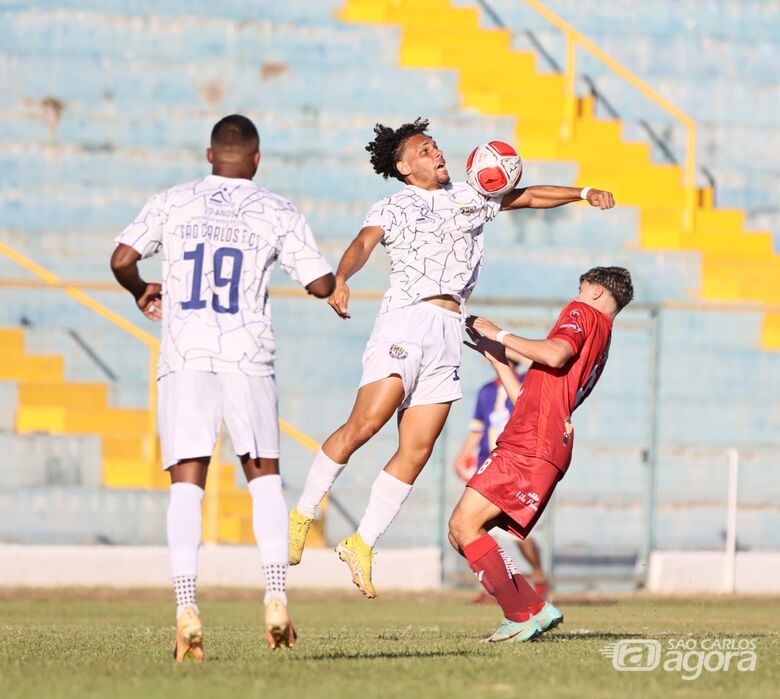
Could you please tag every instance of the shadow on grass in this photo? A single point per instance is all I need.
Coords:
(384, 655)
(586, 636)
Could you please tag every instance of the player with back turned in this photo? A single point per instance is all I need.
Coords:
(220, 236)
(513, 485)
(432, 232)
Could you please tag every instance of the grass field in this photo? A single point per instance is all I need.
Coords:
(109, 644)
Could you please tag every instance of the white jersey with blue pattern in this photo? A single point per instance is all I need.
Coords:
(220, 237)
(434, 241)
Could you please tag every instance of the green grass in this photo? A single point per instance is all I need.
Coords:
(108, 644)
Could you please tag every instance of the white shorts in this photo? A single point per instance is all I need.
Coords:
(193, 404)
(421, 344)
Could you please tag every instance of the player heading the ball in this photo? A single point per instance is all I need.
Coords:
(432, 231)
(220, 236)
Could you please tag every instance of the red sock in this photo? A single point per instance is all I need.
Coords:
(531, 599)
(494, 570)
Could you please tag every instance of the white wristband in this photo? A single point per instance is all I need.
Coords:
(501, 335)
(584, 192)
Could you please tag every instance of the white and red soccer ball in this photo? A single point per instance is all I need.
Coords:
(494, 168)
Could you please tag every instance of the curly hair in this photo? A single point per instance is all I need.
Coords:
(616, 280)
(388, 143)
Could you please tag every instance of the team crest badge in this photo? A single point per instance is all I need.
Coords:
(398, 352)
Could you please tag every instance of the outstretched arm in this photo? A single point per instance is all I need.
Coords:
(354, 257)
(124, 265)
(553, 352)
(548, 196)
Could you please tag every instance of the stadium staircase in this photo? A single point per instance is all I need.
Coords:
(109, 102)
(494, 78)
(47, 403)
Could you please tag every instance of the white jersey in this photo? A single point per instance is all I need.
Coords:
(220, 238)
(434, 240)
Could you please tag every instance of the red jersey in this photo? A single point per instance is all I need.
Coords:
(540, 424)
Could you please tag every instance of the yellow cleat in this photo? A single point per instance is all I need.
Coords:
(358, 555)
(299, 528)
(189, 637)
(279, 630)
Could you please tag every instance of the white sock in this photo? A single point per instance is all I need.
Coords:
(184, 522)
(322, 475)
(269, 523)
(387, 496)
(185, 587)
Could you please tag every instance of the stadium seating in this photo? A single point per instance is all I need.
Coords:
(108, 102)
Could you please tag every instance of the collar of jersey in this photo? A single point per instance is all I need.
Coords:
(429, 192)
(222, 178)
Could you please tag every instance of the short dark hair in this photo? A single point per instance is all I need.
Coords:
(234, 131)
(388, 143)
(616, 280)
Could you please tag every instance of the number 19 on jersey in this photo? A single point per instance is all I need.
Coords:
(221, 279)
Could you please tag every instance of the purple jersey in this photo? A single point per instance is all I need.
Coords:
(491, 414)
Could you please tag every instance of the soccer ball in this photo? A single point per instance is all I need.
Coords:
(494, 168)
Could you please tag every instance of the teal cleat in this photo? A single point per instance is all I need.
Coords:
(549, 617)
(516, 631)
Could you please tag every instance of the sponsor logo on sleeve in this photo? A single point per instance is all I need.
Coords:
(573, 322)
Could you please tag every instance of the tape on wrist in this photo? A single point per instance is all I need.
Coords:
(584, 192)
(501, 335)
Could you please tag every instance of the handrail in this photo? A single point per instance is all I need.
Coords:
(376, 295)
(575, 38)
(100, 285)
(53, 281)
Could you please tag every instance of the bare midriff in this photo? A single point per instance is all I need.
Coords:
(445, 301)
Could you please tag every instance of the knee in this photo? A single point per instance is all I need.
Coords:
(457, 531)
(454, 543)
(357, 432)
(417, 456)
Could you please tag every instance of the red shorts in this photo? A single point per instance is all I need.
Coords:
(520, 485)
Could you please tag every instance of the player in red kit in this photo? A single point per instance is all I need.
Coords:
(513, 485)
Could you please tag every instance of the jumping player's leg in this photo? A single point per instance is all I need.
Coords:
(269, 524)
(418, 429)
(374, 405)
(471, 519)
(184, 523)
